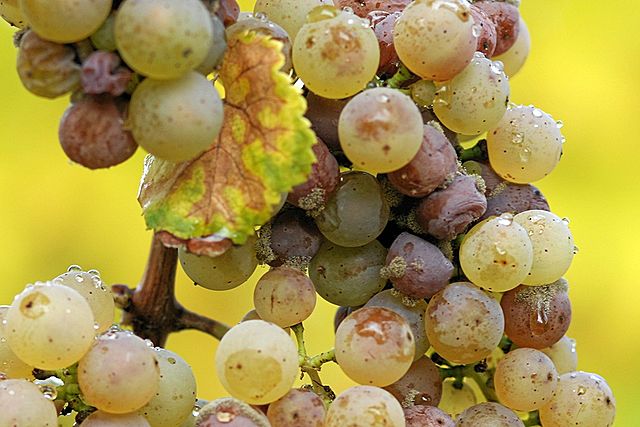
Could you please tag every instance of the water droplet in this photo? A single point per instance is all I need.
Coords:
(322, 13)
(518, 138)
(196, 410)
(559, 124)
(525, 155)
(576, 250)
(476, 30)
(96, 326)
(149, 343)
(505, 219)
(171, 360)
(94, 273)
(49, 392)
(563, 140)
(67, 310)
(261, 16)
(581, 391)
(384, 98)
(499, 249)
(74, 268)
(348, 9)
(78, 278)
(573, 376)
(497, 68)
(537, 113)
(566, 221)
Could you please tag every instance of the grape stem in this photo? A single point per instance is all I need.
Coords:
(402, 76)
(312, 365)
(533, 419)
(152, 308)
(477, 152)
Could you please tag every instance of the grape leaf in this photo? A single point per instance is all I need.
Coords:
(263, 151)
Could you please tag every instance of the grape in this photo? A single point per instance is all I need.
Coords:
(176, 120)
(435, 39)
(435, 162)
(294, 238)
(104, 419)
(284, 296)
(365, 406)
(505, 16)
(104, 38)
(423, 92)
(525, 146)
(298, 408)
(324, 115)
(552, 242)
(463, 323)
(216, 50)
(514, 199)
(230, 412)
(191, 419)
(223, 272)
(363, 7)
(176, 395)
(564, 355)
(525, 379)
(496, 254)
(257, 362)
(356, 213)
(49, 327)
(421, 385)
(492, 181)
(488, 414)
(11, 366)
(228, 11)
(383, 24)
(163, 39)
(10, 12)
(348, 276)
(22, 404)
(321, 182)
(412, 311)
(581, 399)
(335, 53)
(380, 130)
(446, 213)
(289, 14)
(65, 21)
(514, 58)
(537, 316)
(475, 100)
(456, 397)
(427, 416)
(45, 68)
(94, 291)
(374, 345)
(102, 73)
(416, 267)
(488, 36)
(261, 25)
(119, 374)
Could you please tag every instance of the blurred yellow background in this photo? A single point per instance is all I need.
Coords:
(584, 69)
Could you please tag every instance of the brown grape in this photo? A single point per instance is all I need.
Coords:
(506, 18)
(363, 7)
(427, 416)
(536, 316)
(102, 73)
(341, 313)
(228, 11)
(514, 199)
(294, 238)
(488, 35)
(383, 24)
(421, 385)
(435, 161)
(324, 114)
(298, 408)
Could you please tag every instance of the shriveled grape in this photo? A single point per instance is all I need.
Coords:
(513, 199)
(421, 385)
(564, 355)
(488, 414)
(298, 408)
(365, 406)
(102, 73)
(427, 416)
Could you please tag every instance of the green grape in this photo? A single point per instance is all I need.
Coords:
(497, 254)
(49, 327)
(289, 14)
(348, 276)
(463, 323)
(356, 213)
(284, 296)
(456, 397)
(10, 364)
(365, 406)
(411, 310)
(552, 242)
(525, 379)
(10, 12)
(380, 130)
(176, 395)
(526, 145)
(217, 49)
(92, 289)
(257, 362)
(335, 53)
(105, 419)
(298, 408)
(582, 399)
(488, 414)
(22, 404)
(435, 38)
(564, 355)
(423, 92)
(119, 374)
(224, 272)
(374, 345)
(163, 39)
(176, 120)
(104, 38)
(65, 21)
(515, 57)
(475, 100)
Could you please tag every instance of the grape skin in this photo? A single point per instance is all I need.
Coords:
(380, 130)
(294, 238)
(10, 12)
(364, 7)
(427, 416)
(488, 414)
(421, 385)
(505, 16)
(514, 58)
(324, 115)
(49, 327)
(104, 419)
(374, 345)
(22, 404)
(463, 323)
(488, 36)
(365, 406)
(581, 399)
(217, 50)
(383, 24)
(176, 120)
(564, 355)
(230, 412)
(257, 362)
(289, 14)
(297, 408)
(10, 364)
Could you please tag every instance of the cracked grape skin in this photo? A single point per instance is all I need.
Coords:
(365, 406)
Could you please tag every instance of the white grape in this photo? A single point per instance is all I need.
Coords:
(365, 406)
(10, 364)
(488, 414)
(23, 404)
(289, 14)
(10, 12)
(105, 419)
(564, 355)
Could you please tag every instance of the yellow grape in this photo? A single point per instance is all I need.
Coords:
(23, 404)
(10, 364)
(65, 21)
(105, 419)
(564, 355)
(336, 53)
(10, 12)
(514, 58)
(289, 14)
(365, 406)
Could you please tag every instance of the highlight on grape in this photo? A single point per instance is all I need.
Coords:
(368, 154)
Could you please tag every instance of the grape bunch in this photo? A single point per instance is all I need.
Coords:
(417, 218)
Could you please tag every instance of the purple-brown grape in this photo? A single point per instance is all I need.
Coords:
(298, 408)
(427, 416)
(102, 73)
(324, 114)
(488, 37)
(383, 24)
(294, 238)
(421, 385)
(506, 18)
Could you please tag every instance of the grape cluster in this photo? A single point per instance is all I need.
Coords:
(418, 220)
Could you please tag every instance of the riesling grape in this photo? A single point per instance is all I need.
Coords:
(421, 385)
(10, 12)
(298, 408)
(514, 58)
